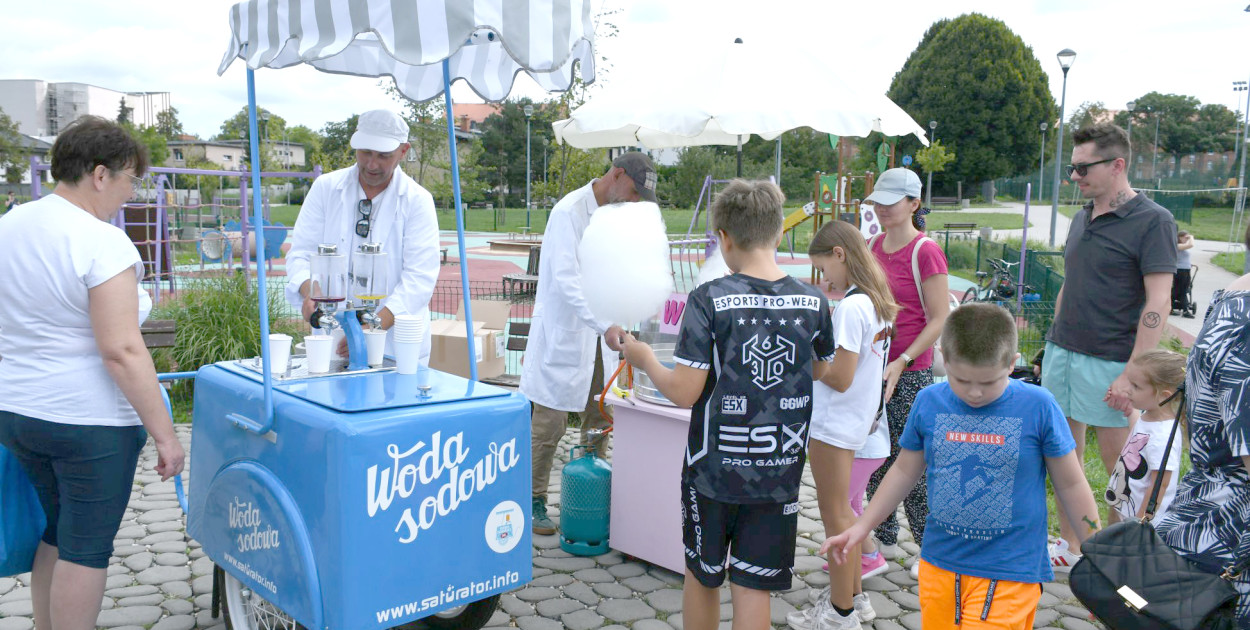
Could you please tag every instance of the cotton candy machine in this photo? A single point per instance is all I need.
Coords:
(660, 332)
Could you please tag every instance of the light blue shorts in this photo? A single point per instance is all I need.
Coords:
(1080, 382)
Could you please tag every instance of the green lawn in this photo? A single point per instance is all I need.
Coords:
(1234, 262)
(1209, 224)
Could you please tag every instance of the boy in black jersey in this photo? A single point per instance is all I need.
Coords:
(750, 345)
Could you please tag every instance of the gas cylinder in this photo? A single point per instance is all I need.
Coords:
(585, 501)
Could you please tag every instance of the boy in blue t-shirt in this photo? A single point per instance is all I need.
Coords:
(749, 347)
(986, 443)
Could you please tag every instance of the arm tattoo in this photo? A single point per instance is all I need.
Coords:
(1151, 319)
(1093, 525)
(1121, 198)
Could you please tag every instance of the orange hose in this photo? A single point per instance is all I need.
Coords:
(607, 387)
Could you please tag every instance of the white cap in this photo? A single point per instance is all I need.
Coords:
(379, 130)
(893, 185)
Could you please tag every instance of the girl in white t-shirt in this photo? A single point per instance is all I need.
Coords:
(1153, 376)
(846, 403)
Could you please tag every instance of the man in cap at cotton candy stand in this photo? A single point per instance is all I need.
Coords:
(564, 361)
(372, 201)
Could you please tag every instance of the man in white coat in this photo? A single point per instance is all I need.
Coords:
(372, 201)
(564, 362)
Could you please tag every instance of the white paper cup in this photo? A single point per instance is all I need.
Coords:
(375, 344)
(279, 353)
(319, 349)
(407, 357)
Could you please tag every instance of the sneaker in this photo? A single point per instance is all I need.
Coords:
(815, 596)
(869, 567)
(822, 616)
(914, 571)
(542, 524)
(863, 608)
(1061, 558)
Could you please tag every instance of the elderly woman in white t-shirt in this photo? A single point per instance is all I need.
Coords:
(77, 385)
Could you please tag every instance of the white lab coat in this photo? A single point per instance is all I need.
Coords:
(560, 352)
(403, 221)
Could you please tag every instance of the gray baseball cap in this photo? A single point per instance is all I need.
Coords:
(640, 169)
(893, 185)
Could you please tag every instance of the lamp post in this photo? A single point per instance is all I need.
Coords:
(1041, 165)
(928, 187)
(1131, 106)
(1238, 86)
(1154, 150)
(529, 111)
(1065, 57)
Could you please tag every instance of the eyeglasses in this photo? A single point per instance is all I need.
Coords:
(1083, 169)
(136, 183)
(365, 208)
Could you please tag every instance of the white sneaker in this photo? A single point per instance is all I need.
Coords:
(816, 595)
(822, 616)
(914, 571)
(863, 608)
(1061, 558)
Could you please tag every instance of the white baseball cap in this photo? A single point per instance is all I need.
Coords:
(893, 185)
(379, 130)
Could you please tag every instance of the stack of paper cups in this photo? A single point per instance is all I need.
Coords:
(408, 334)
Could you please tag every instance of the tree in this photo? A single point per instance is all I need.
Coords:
(503, 144)
(336, 149)
(13, 153)
(427, 130)
(158, 149)
(804, 151)
(605, 28)
(934, 158)
(168, 125)
(985, 88)
(124, 113)
(694, 164)
(307, 138)
(1185, 125)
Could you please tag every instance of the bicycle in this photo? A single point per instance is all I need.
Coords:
(998, 285)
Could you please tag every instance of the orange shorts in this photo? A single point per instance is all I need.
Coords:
(1012, 605)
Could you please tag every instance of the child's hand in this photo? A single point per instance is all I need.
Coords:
(836, 547)
(636, 352)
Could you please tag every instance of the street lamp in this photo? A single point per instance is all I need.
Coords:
(1041, 167)
(529, 111)
(1154, 150)
(1238, 86)
(1131, 106)
(1065, 57)
(928, 187)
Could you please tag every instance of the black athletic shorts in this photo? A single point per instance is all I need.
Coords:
(83, 475)
(755, 542)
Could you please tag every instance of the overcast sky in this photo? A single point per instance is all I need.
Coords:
(1124, 48)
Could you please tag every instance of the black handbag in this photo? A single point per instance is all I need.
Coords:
(1131, 580)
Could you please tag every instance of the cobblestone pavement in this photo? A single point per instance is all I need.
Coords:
(160, 579)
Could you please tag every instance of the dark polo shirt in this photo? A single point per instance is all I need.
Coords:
(1105, 261)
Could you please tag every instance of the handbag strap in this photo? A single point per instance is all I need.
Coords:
(1167, 450)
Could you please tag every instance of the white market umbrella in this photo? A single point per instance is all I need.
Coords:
(720, 93)
(424, 45)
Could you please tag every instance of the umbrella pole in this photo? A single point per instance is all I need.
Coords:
(455, 187)
(739, 155)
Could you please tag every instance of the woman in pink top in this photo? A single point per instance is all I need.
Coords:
(917, 326)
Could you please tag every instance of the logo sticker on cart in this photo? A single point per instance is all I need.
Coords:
(256, 534)
(445, 463)
(504, 526)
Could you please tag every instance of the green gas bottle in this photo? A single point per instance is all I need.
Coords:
(585, 502)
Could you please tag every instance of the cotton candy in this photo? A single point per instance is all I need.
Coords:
(714, 267)
(624, 257)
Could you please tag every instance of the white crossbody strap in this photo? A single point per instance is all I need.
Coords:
(915, 267)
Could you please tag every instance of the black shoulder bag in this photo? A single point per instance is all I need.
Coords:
(1132, 580)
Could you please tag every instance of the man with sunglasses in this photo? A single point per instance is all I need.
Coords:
(563, 368)
(372, 201)
(1119, 260)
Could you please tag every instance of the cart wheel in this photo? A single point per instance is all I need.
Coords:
(245, 610)
(467, 617)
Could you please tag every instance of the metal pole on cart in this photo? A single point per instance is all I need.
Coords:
(455, 187)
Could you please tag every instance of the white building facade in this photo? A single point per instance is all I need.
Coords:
(41, 109)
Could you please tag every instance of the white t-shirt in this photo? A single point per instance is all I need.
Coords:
(1129, 486)
(52, 252)
(843, 419)
(878, 444)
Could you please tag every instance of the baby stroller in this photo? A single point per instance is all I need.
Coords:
(1183, 293)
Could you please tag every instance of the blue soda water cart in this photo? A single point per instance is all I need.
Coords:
(363, 498)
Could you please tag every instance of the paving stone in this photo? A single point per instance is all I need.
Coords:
(161, 575)
(7, 584)
(142, 600)
(564, 565)
(552, 579)
(1047, 601)
(16, 623)
(172, 559)
(1073, 611)
(202, 566)
(172, 546)
(905, 599)
(612, 590)
(625, 610)
(176, 622)
(19, 608)
(139, 561)
(499, 620)
(538, 623)
(553, 608)
(645, 624)
(778, 609)
(808, 563)
(196, 554)
(537, 593)
(132, 591)
(160, 487)
(128, 550)
(1058, 590)
(627, 570)
(145, 505)
(911, 621)
(1045, 617)
(204, 619)
(581, 620)
(133, 531)
(879, 584)
(16, 595)
(178, 606)
(202, 584)
(515, 607)
(118, 581)
(546, 542)
(165, 526)
(808, 544)
(592, 576)
(610, 559)
(666, 576)
(167, 536)
(666, 601)
(157, 516)
(582, 593)
(1079, 623)
(117, 569)
(203, 602)
(885, 624)
(177, 589)
(129, 616)
(642, 583)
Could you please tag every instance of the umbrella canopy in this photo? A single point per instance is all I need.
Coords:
(409, 39)
(721, 92)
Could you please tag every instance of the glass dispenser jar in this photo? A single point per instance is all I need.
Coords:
(328, 286)
(370, 269)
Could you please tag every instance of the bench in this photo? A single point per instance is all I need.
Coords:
(444, 253)
(518, 338)
(524, 282)
(944, 201)
(159, 333)
(964, 230)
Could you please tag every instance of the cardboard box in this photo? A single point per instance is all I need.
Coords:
(449, 345)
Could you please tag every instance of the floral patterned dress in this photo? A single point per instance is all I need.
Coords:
(1209, 521)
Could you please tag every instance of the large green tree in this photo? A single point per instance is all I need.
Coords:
(503, 144)
(336, 149)
(13, 154)
(986, 90)
(1185, 125)
(168, 125)
(427, 130)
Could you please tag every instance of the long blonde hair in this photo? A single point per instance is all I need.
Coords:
(862, 268)
(1164, 369)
